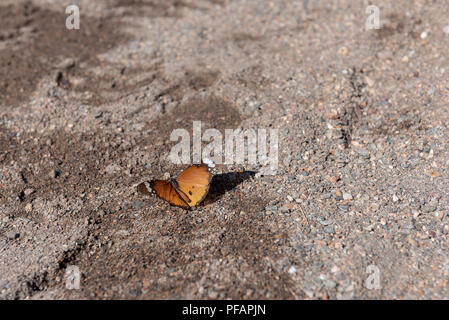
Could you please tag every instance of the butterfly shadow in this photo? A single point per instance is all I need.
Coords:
(224, 182)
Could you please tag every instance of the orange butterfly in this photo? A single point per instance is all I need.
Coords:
(186, 191)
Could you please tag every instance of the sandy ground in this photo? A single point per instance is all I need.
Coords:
(362, 185)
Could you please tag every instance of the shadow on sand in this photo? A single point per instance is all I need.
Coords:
(222, 183)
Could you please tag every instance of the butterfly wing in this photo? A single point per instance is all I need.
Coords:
(193, 183)
(164, 190)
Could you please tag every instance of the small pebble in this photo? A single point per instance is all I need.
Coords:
(446, 29)
(446, 228)
(287, 207)
(329, 229)
(54, 174)
(347, 196)
(304, 173)
(325, 222)
(330, 284)
(343, 51)
(384, 55)
(362, 152)
(12, 235)
(66, 64)
(333, 179)
(29, 191)
(325, 196)
(271, 208)
(138, 204)
(292, 270)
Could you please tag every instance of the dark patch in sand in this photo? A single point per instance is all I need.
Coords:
(153, 8)
(80, 159)
(253, 78)
(398, 24)
(179, 250)
(241, 39)
(212, 111)
(192, 80)
(159, 8)
(37, 40)
(97, 89)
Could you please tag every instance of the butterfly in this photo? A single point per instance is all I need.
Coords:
(185, 191)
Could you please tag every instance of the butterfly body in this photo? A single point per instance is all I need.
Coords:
(185, 191)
